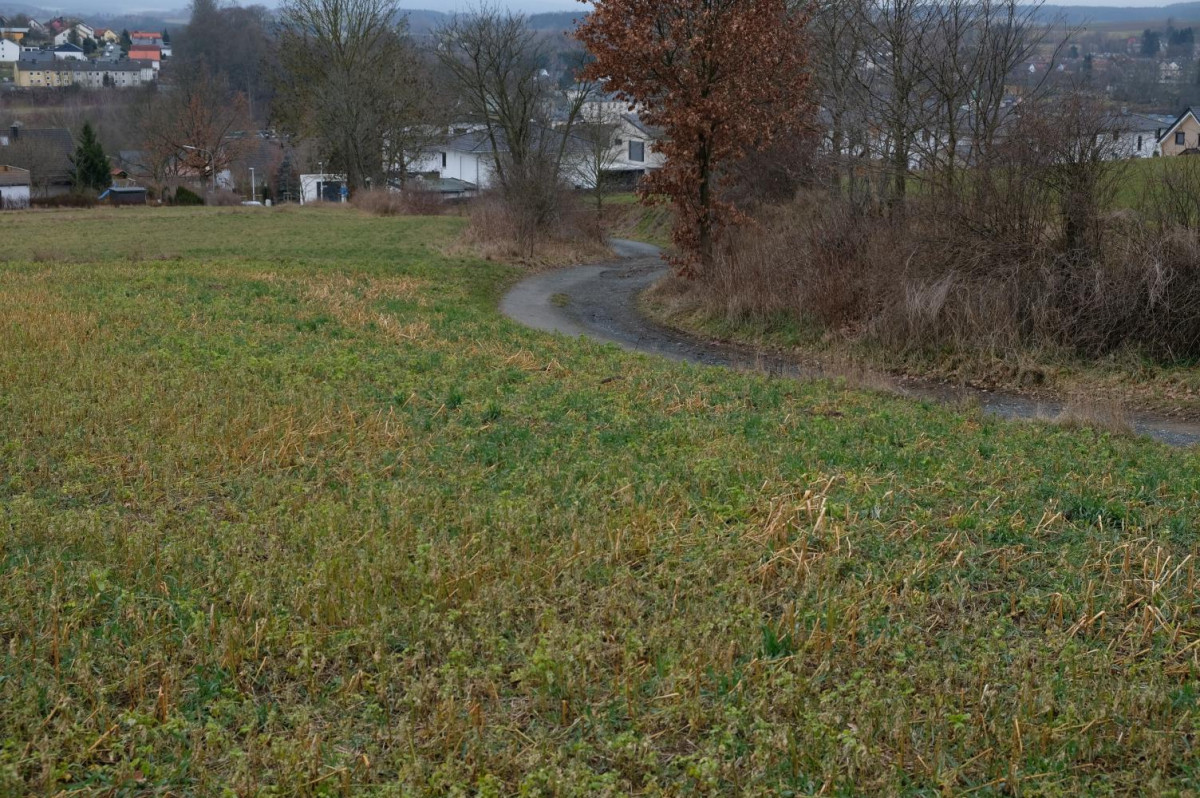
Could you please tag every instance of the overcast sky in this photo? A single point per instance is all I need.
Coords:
(527, 6)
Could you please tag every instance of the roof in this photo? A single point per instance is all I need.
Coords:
(647, 130)
(1190, 111)
(51, 65)
(479, 143)
(13, 176)
(68, 48)
(449, 185)
(46, 151)
(145, 34)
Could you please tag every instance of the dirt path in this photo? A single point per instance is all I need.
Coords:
(600, 301)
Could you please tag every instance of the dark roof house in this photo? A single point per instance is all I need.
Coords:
(45, 152)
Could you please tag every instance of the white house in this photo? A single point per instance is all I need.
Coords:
(1137, 135)
(69, 52)
(9, 51)
(14, 187)
(468, 156)
(322, 187)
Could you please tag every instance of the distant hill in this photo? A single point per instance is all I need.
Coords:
(558, 21)
(422, 21)
(1105, 15)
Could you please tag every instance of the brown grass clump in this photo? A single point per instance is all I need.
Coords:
(388, 202)
(1098, 414)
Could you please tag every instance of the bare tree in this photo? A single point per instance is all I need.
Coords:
(497, 63)
(898, 32)
(201, 127)
(599, 153)
(1074, 136)
(352, 80)
(839, 38)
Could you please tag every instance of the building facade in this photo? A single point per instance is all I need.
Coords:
(89, 75)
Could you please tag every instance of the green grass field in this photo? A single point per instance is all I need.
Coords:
(287, 507)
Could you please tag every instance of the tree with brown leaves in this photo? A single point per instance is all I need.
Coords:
(722, 78)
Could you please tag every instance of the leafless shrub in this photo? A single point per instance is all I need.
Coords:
(501, 229)
(930, 280)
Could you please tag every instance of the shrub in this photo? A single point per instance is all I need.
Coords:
(185, 196)
(934, 280)
(503, 229)
(72, 200)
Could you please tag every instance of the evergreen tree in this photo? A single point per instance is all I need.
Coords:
(126, 41)
(89, 165)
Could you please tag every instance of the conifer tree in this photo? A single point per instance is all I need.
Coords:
(90, 170)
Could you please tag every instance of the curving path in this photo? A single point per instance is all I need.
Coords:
(600, 301)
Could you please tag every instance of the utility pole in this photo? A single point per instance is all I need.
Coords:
(252, 184)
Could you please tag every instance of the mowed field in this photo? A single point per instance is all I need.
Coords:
(287, 507)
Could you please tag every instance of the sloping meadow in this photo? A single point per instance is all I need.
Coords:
(285, 505)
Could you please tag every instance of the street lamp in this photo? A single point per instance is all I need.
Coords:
(252, 192)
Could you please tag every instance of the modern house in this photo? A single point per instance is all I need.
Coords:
(1137, 135)
(69, 52)
(1182, 136)
(468, 155)
(633, 154)
(14, 188)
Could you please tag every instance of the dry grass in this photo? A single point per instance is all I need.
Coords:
(1090, 413)
(386, 202)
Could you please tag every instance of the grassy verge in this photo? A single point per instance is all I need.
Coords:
(286, 506)
(1126, 380)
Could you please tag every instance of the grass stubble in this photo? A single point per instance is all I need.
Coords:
(294, 510)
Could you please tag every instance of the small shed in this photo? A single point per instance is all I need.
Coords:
(124, 195)
(14, 187)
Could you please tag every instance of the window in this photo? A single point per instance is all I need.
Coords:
(443, 160)
(1139, 143)
(1181, 138)
(637, 151)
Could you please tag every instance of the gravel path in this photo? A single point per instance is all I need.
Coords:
(600, 301)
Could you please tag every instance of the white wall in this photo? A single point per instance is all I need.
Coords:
(310, 184)
(13, 197)
(471, 167)
(1127, 145)
(9, 50)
